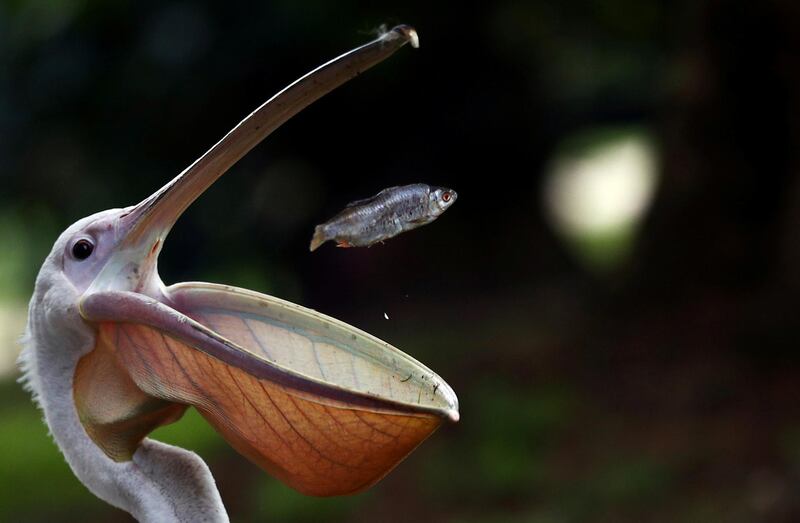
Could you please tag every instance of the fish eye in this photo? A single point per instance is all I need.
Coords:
(446, 196)
(82, 249)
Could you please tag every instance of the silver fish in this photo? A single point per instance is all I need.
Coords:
(387, 214)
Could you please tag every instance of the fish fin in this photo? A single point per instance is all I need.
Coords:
(365, 201)
(344, 244)
(318, 238)
(361, 202)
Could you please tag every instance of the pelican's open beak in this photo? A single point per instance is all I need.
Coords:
(323, 406)
(144, 228)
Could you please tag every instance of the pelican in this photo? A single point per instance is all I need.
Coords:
(110, 353)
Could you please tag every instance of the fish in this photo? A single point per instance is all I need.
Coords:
(390, 212)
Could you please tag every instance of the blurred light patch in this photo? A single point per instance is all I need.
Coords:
(29, 233)
(12, 325)
(597, 190)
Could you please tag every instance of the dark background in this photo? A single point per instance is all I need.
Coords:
(654, 381)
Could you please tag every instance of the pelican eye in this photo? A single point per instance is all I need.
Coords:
(82, 249)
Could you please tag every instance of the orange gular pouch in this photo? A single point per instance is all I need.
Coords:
(116, 414)
(325, 408)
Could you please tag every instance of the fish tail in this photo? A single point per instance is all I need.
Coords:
(318, 238)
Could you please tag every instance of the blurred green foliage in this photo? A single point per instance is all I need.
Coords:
(31, 464)
(29, 233)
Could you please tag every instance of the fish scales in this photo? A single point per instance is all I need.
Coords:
(390, 212)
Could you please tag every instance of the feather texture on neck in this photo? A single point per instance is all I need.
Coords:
(161, 482)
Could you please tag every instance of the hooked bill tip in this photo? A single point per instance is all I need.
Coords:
(406, 32)
(413, 39)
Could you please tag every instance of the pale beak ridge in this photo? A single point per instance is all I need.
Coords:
(144, 228)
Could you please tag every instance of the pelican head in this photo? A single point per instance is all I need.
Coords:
(111, 353)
